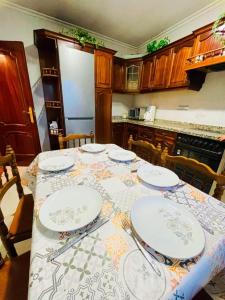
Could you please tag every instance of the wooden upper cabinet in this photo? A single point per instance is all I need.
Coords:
(132, 75)
(118, 75)
(180, 54)
(205, 41)
(161, 69)
(147, 78)
(103, 69)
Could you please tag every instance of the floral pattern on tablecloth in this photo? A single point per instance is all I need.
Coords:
(107, 264)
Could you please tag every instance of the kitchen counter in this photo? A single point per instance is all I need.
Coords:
(204, 131)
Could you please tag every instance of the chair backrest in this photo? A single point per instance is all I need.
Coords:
(146, 150)
(194, 172)
(75, 140)
(8, 165)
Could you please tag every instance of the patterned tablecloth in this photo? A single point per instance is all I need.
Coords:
(107, 264)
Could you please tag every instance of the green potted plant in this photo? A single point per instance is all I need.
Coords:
(218, 29)
(154, 45)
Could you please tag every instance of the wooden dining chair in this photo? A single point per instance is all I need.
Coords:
(21, 226)
(75, 139)
(194, 172)
(14, 277)
(146, 150)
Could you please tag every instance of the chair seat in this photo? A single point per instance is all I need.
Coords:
(14, 277)
(21, 227)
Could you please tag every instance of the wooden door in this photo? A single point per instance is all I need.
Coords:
(147, 74)
(18, 126)
(103, 69)
(166, 139)
(180, 55)
(118, 134)
(161, 70)
(103, 116)
(118, 76)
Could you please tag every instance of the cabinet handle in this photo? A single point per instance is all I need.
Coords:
(30, 113)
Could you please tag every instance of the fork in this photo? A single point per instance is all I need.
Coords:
(126, 227)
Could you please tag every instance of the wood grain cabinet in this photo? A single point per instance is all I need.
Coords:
(103, 69)
(166, 139)
(147, 76)
(162, 66)
(180, 54)
(118, 75)
(103, 115)
(146, 134)
(118, 134)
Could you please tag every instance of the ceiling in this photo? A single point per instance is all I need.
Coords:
(129, 21)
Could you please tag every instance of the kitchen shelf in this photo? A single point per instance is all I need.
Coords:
(49, 72)
(53, 104)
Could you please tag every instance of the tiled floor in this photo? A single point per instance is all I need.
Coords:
(8, 206)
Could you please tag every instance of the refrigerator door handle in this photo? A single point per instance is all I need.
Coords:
(81, 118)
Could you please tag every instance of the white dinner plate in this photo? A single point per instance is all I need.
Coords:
(122, 155)
(70, 208)
(158, 176)
(93, 148)
(167, 227)
(56, 163)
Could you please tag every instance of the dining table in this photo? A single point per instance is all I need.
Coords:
(107, 263)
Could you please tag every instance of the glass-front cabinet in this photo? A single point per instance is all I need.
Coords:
(133, 72)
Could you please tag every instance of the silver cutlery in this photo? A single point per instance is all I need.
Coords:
(174, 189)
(126, 227)
(76, 239)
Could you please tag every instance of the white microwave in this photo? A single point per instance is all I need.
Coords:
(137, 113)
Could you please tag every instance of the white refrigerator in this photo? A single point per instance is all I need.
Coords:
(78, 88)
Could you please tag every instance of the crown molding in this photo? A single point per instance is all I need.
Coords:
(194, 16)
(35, 13)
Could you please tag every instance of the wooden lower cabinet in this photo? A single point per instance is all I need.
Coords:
(118, 134)
(122, 131)
(166, 139)
(103, 116)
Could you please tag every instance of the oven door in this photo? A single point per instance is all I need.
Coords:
(210, 159)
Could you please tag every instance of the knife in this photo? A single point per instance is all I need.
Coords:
(75, 240)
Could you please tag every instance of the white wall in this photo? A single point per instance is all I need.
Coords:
(121, 104)
(17, 24)
(205, 107)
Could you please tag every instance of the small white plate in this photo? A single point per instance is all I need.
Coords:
(56, 163)
(93, 148)
(158, 176)
(122, 155)
(70, 208)
(167, 227)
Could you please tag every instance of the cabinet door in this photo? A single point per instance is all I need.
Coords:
(162, 69)
(166, 139)
(146, 134)
(118, 134)
(205, 40)
(103, 69)
(130, 129)
(103, 115)
(179, 58)
(147, 74)
(118, 76)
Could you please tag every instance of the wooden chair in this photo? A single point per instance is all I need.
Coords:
(21, 226)
(14, 277)
(146, 150)
(194, 172)
(76, 139)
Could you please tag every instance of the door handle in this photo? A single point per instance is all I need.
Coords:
(30, 113)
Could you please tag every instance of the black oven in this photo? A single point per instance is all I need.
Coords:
(204, 150)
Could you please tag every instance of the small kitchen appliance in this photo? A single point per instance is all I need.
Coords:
(137, 113)
(150, 113)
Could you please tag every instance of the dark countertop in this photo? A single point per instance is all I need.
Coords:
(204, 131)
